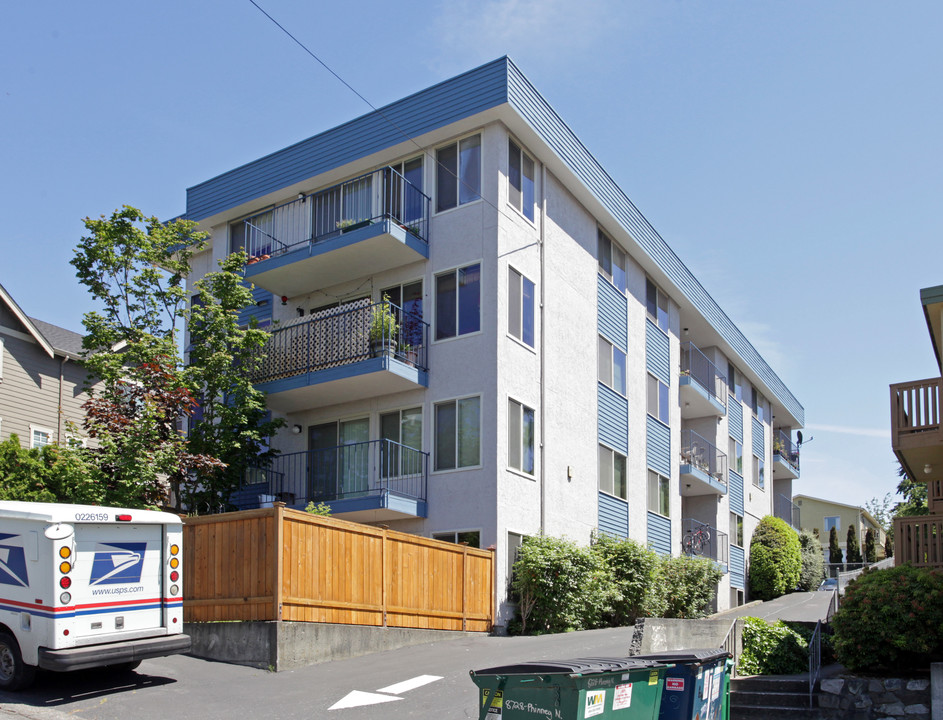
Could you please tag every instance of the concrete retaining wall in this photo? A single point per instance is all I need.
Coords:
(655, 635)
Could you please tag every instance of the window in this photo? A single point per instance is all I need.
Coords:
(658, 500)
(612, 477)
(39, 437)
(520, 437)
(735, 381)
(736, 529)
(408, 298)
(757, 404)
(611, 261)
(401, 455)
(458, 173)
(735, 455)
(833, 522)
(656, 304)
(520, 307)
(611, 366)
(237, 236)
(759, 472)
(657, 399)
(520, 180)
(457, 433)
(404, 201)
(458, 302)
(472, 538)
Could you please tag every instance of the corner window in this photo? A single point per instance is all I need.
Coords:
(458, 302)
(735, 455)
(611, 261)
(520, 180)
(520, 437)
(458, 173)
(611, 366)
(658, 500)
(612, 477)
(39, 437)
(472, 538)
(458, 433)
(656, 305)
(736, 529)
(657, 393)
(520, 307)
(759, 472)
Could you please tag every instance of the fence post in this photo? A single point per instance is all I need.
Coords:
(278, 517)
(464, 587)
(384, 564)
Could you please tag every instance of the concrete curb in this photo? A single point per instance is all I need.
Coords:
(10, 711)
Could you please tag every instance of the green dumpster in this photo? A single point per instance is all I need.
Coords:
(618, 688)
(697, 686)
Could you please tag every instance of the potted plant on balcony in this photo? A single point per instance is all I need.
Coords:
(383, 328)
(349, 224)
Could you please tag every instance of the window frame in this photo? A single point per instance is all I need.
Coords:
(526, 209)
(609, 459)
(660, 316)
(457, 450)
(608, 253)
(457, 175)
(454, 272)
(735, 382)
(33, 429)
(759, 472)
(441, 536)
(526, 316)
(519, 442)
(663, 400)
(608, 353)
(660, 487)
(837, 523)
(735, 452)
(736, 529)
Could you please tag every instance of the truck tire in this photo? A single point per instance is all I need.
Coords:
(14, 673)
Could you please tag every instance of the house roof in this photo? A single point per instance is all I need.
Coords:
(51, 338)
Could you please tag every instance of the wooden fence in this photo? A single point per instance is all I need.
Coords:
(282, 564)
(919, 541)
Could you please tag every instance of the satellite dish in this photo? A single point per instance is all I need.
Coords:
(798, 437)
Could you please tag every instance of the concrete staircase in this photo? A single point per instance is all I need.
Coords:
(771, 698)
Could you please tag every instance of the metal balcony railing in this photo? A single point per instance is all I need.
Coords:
(361, 469)
(382, 194)
(341, 336)
(697, 451)
(701, 540)
(785, 509)
(786, 449)
(700, 368)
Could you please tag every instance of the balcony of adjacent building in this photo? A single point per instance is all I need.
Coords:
(918, 539)
(703, 387)
(699, 539)
(372, 481)
(916, 437)
(785, 456)
(785, 509)
(355, 229)
(703, 467)
(355, 351)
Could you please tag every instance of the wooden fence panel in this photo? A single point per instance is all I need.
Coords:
(919, 540)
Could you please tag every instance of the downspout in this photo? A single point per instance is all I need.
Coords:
(59, 414)
(543, 343)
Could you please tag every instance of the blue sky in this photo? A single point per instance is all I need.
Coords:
(788, 151)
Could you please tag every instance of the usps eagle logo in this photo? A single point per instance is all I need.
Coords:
(117, 563)
(12, 563)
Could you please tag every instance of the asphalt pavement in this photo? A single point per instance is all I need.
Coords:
(794, 607)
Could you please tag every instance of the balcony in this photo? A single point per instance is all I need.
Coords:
(916, 437)
(918, 540)
(358, 228)
(343, 354)
(785, 509)
(373, 481)
(703, 387)
(785, 457)
(703, 466)
(701, 540)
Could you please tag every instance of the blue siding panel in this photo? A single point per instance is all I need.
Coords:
(659, 533)
(658, 447)
(613, 419)
(613, 516)
(735, 490)
(759, 439)
(613, 314)
(738, 568)
(735, 418)
(657, 353)
(262, 313)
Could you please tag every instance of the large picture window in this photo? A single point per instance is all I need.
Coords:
(612, 477)
(520, 437)
(458, 173)
(520, 307)
(520, 180)
(658, 499)
(458, 302)
(458, 433)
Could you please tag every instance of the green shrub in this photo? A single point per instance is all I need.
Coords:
(813, 561)
(322, 509)
(634, 569)
(685, 586)
(775, 560)
(891, 619)
(773, 649)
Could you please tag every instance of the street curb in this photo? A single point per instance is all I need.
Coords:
(10, 710)
(723, 613)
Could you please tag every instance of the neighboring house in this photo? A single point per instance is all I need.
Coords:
(41, 384)
(555, 369)
(819, 516)
(917, 441)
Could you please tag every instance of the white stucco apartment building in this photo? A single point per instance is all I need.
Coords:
(556, 368)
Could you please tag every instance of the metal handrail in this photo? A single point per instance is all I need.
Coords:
(699, 452)
(733, 643)
(383, 194)
(702, 540)
(785, 509)
(815, 658)
(786, 449)
(696, 364)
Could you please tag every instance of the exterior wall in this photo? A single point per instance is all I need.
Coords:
(812, 514)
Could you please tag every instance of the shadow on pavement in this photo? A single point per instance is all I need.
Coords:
(52, 688)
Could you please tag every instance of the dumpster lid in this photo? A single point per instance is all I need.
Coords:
(576, 666)
(701, 655)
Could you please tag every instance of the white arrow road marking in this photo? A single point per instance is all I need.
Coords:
(408, 685)
(357, 698)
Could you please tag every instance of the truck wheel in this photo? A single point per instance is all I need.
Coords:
(14, 673)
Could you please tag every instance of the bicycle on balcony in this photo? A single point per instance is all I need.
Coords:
(696, 541)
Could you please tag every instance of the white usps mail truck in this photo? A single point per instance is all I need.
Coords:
(83, 586)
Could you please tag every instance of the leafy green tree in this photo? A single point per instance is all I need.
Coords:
(634, 570)
(775, 559)
(914, 494)
(686, 586)
(870, 551)
(888, 547)
(813, 561)
(835, 555)
(49, 474)
(852, 549)
(882, 510)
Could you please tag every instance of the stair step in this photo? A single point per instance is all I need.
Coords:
(759, 683)
(773, 713)
(740, 698)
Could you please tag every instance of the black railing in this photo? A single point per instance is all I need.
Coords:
(341, 336)
(701, 540)
(381, 195)
(785, 509)
(698, 452)
(700, 368)
(786, 449)
(361, 469)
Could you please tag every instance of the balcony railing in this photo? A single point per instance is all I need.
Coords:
(702, 540)
(355, 470)
(697, 451)
(915, 408)
(786, 449)
(341, 336)
(700, 368)
(382, 194)
(785, 509)
(919, 541)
